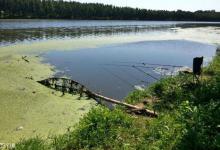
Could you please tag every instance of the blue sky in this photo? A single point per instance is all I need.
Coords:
(191, 5)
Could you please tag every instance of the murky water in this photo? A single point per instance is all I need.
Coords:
(111, 57)
(116, 70)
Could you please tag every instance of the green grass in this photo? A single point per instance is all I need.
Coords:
(32, 144)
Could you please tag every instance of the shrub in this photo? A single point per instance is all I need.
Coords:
(202, 126)
(101, 127)
(32, 144)
(137, 96)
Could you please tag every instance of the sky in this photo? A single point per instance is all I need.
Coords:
(191, 5)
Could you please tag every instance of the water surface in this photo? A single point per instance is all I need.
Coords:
(110, 57)
(116, 70)
(102, 54)
(32, 30)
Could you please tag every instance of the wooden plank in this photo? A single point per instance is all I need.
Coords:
(133, 107)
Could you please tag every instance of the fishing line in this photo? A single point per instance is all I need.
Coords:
(151, 64)
(161, 65)
(117, 65)
(136, 67)
(130, 66)
(165, 67)
(134, 77)
(115, 75)
(151, 67)
(145, 73)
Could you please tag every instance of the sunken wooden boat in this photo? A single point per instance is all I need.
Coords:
(73, 87)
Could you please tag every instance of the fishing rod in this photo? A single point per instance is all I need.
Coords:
(131, 66)
(165, 67)
(123, 80)
(117, 65)
(134, 77)
(126, 81)
(161, 65)
(151, 67)
(153, 64)
(136, 67)
(145, 72)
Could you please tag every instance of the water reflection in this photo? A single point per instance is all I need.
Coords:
(12, 31)
(8, 36)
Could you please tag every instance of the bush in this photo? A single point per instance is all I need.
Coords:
(137, 96)
(100, 128)
(163, 133)
(32, 144)
(202, 131)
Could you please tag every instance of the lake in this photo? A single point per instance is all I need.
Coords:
(112, 58)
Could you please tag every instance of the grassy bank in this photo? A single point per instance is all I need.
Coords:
(27, 108)
(189, 119)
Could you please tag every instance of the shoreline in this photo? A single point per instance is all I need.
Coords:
(179, 112)
(36, 105)
(28, 108)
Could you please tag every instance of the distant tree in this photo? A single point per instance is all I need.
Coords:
(56, 9)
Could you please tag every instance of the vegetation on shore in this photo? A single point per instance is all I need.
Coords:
(59, 9)
(189, 119)
(15, 70)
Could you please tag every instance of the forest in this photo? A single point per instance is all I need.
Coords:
(59, 9)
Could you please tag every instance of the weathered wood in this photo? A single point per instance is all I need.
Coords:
(133, 107)
(25, 59)
(69, 86)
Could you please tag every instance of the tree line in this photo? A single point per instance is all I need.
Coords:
(59, 9)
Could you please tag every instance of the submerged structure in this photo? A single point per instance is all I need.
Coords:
(73, 87)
